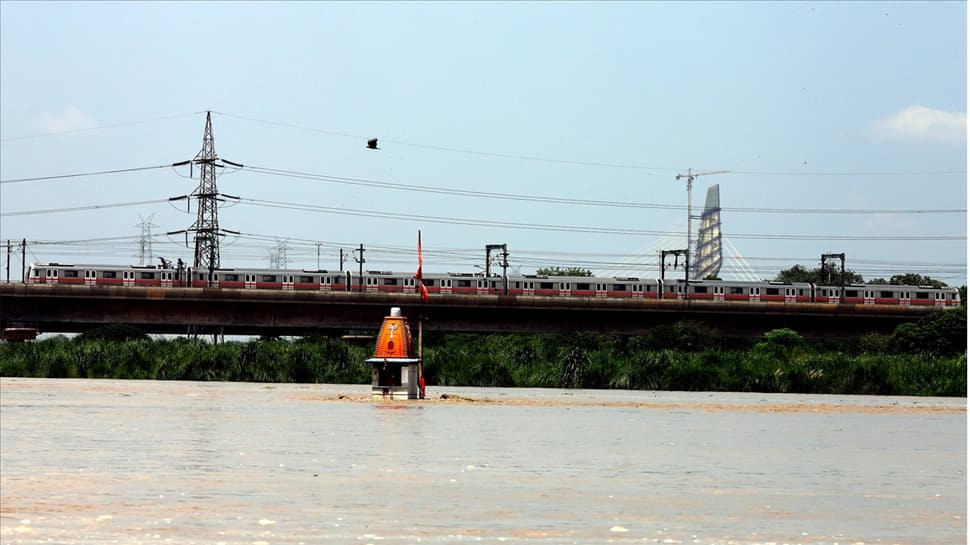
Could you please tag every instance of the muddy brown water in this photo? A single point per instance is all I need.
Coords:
(96, 462)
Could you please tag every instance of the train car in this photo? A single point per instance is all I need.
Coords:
(100, 275)
(888, 294)
(271, 279)
(739, 291)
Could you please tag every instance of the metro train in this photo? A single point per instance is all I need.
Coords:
(475, 284)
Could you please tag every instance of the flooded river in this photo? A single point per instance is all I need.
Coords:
(99, 462)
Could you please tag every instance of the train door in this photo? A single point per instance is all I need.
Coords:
(446, 285)
(51, 276)
(370, 283)
(904, 298)
(869, 297)
(832, 295)
(214, 280)
(90, 278)
(482, 287)
(719, 294)
(564, 289)
(790, 295)
(939, 299)
(638, 291)
(754, 294)
(600, 290)
(287, 280)
(127, 278)
(249, 281)
(168, 279)
(528, 287)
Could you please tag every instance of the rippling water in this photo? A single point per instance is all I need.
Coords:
(178, 462)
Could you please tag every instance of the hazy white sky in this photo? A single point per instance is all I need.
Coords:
(815, 107)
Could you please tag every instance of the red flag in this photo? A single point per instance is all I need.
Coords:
(417, 274)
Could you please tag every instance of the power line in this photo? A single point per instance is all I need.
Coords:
(86, 129)
(81, 208)
(502, 196)
(589, 163)
(569, 228)
(81, 174)
(563, 200)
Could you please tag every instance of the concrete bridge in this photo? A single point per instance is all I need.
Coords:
(54, 308)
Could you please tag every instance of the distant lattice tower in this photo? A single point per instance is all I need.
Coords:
(206, 227)
(707, 260)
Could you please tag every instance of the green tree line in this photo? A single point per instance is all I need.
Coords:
(927, 357)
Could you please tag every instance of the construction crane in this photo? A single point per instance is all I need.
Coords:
(690, 182)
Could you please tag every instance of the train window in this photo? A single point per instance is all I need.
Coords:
(801, 292)
(545, 285)
(582, 286)
(230, 277)
(306, 279)
(70, 273)
(700, 289)
(390, 281)
(109, 274)
(516, 286)
(851, 293)
(619, 287)
(148, 276)
(427, 282)
(886, 294)
(338, 280)
(922, 295)
(464, 283)
(649, 288)
(736, 291)
(268, 278)
(771, 291)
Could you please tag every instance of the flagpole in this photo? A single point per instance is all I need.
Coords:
(421, 293)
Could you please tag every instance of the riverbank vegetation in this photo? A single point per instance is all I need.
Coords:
(927, 357)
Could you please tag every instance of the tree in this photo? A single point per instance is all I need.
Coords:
(910, 279)
(568, 271)
(831, 275)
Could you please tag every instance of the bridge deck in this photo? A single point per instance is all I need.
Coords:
(53, 308)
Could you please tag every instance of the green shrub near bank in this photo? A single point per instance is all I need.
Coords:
(927, 357)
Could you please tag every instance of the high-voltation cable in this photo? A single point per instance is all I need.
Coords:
(97, 128)
(586, 163)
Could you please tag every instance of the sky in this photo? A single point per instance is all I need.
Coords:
(843, 126)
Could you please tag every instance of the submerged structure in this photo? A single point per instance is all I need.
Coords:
(396, 372)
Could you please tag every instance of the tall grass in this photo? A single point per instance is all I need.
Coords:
(926, 358)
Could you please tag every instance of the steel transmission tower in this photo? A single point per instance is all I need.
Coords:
(206, 226)
(145, 240)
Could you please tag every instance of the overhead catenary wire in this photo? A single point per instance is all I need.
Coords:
(465, 259)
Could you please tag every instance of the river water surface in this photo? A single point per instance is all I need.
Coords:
(103, 461)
